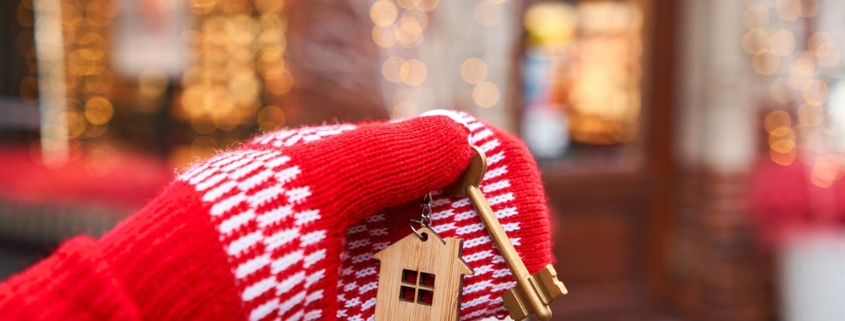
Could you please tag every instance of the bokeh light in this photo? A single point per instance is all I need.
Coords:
(782, 43)
(404, 109)
(391, 69)
(428, 5)
(756, 16)
(815, 92)
(417, 14)
(788, 10)
(755, 41)
(801, 72)
(473, 70)
(485, 94)
(384, 37)
(810, 115)
(383, 13)
(281, 85)
(765, 63)
(75, 123)
(409, 4)
(271, 118)
(824, 173)
(413, 72)
(98, 110)
(776, 120)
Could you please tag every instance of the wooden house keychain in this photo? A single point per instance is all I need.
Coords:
(421, 274)
(435, 268)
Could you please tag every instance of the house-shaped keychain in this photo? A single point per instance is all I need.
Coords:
(420, 278)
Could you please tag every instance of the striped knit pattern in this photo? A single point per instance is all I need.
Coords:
(266, 224)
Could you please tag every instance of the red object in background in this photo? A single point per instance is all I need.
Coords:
(119, 179)
(784, 201)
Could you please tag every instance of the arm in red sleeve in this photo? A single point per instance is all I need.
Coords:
(156, 265)
(75, 283)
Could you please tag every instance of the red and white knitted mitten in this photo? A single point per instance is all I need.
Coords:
(284, 228)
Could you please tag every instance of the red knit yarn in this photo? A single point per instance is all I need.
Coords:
(282, 208)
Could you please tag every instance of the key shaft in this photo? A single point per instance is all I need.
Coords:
(533, 293)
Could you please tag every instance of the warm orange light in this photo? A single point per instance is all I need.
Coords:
(788, 9)
(271, 118)
(428, 5)
(201, 123)
(473, 70)
(818, 39)
(777, 120)
(783, 159)
(409, 4)
(281, 85)
(226, 118)
(485, 94)
(810, 115)
(765, 63)
(755, 41)
(413, 72)
(98, 110)
(201, 7)
(781, 134)
(99, 13)
(782, 43)
(269, 6)
(75, 123)
(815, 92)
(756, 16)
(418, 15)
(408, 31)
(404, 109)
(383, 13)
(390, 69)
(801, 72)
(384, 37)
(824, 173)
(410, 25)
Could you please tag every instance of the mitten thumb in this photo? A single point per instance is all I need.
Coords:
(376, 165)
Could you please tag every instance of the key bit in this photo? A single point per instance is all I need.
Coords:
(533, 293)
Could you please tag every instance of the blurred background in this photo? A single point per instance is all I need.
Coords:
(692, 151)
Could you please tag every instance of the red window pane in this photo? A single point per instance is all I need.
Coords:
(406, 294)
(425, 297)
(409, 277)
(427, 279)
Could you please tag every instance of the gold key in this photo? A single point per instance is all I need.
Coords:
(533, 293)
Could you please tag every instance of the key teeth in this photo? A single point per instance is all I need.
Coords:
(517, 310)
(545, 281)
(552, 286)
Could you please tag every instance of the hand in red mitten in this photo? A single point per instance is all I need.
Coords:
(284, 228)
(514, 191)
